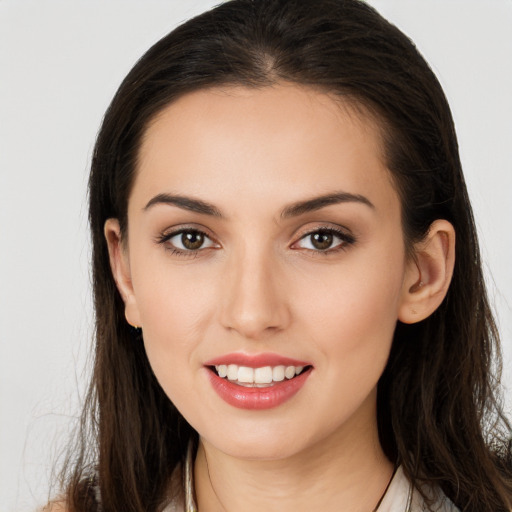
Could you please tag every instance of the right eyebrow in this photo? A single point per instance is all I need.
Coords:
(185, 203)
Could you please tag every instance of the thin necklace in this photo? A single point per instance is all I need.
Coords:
(385, 490)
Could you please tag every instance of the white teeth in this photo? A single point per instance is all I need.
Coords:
(245, 374)
(278, 373)
(263, 375)
(289, 372)
(232, 372)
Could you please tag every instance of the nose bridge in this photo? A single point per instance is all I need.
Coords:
(253, 302)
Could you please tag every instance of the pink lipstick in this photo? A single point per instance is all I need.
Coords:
(257, 381)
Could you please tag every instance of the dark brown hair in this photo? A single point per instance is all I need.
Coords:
(437, 408)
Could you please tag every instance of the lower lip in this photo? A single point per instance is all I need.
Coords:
(257, 398)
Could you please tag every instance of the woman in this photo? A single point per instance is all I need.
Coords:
(290, 306)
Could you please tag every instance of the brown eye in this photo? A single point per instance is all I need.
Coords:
(192, 240)
(322, 240)
(325, 240)
(188, 241)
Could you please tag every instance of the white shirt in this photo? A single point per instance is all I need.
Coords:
(401, 496)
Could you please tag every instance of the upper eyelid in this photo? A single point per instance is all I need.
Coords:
(335, 228)
(344, 234)
(176, 230)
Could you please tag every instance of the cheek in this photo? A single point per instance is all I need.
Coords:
(349, 319)
(176, 306)
(351, 310)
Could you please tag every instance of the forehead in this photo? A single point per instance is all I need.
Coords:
(244, 140)
(192, 111)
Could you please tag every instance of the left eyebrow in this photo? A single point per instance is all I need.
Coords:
(320, 202)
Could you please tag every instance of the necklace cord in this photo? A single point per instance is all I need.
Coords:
(385, 490)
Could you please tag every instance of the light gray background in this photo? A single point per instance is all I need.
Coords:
(60, 63)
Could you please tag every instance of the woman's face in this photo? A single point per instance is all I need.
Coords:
(264, 235)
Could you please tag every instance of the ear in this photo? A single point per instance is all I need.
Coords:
(429, 273)
(120, 265)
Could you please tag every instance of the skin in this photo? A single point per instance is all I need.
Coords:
(258, 284)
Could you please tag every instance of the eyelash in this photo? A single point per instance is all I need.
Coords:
(346, 240)
(175, 251)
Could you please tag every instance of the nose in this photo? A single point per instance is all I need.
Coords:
(254, 299)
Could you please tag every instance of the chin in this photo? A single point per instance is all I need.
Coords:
(258, 443)
(263, 451)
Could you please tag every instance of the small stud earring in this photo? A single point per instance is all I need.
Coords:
(137, 329)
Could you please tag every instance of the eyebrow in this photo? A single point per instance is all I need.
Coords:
(185, 203)
(293, 210)
(320, 202)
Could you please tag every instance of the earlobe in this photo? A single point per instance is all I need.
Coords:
(429, 274)
(120, 266)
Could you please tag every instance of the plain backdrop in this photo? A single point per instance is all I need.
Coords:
(60, 63)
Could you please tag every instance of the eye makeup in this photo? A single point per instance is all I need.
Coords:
(189, 241)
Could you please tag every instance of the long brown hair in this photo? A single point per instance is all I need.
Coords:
(438, 411)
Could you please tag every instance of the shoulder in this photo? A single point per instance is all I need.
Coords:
(87, 493)
(55, 506)
(401, 495)
(439, 502)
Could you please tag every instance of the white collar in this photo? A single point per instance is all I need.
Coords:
(400, 495)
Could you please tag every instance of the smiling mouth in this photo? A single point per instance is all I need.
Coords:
(262, 377)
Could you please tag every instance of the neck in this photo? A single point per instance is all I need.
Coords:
(346, 472)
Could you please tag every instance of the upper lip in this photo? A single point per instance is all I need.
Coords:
(255, 360)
